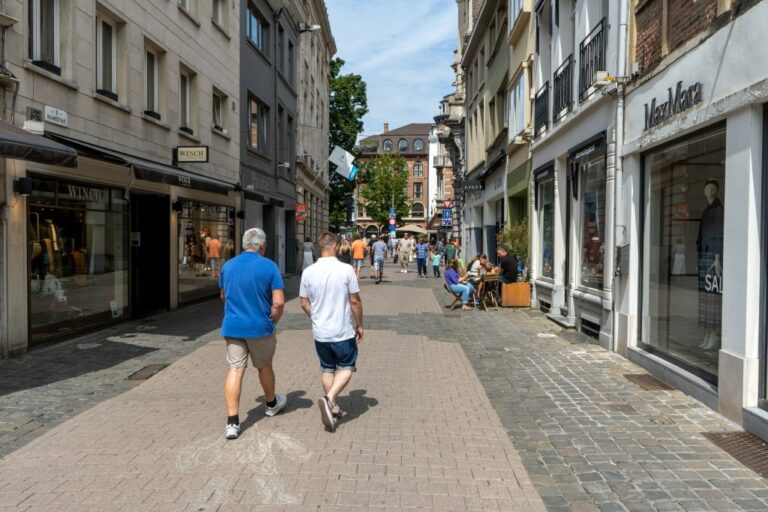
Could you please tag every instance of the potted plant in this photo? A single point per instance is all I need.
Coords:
(514, 238)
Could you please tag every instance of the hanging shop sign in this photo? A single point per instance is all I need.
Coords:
(301, 212)
(472, 185)
(679, 101)
(196, 154)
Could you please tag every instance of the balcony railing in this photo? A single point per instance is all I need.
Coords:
(439, 161)
(591, 59)
(541, 110)
(562, 90)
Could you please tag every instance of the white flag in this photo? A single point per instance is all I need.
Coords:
(343, 159)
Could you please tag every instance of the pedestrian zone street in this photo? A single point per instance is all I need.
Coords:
(449, 410)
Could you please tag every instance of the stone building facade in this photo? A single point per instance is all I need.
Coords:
(125, 228)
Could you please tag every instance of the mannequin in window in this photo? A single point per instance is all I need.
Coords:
(710, 267)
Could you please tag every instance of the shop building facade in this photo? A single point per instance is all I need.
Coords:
(573, 163)
(269, 84)
(130, 226)
(312, 179)
(691, 302)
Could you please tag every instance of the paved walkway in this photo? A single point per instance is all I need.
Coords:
(450, 410)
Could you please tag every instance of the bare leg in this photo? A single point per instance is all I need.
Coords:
(340, 381)
(232, 385)
(267, 379)
(327, 379)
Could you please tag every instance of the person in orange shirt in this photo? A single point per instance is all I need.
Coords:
(214, 255)
(358, 255)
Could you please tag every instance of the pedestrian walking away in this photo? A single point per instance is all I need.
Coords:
(370, 254)
(436, 257)
(345, 252)
(358, 255)
(379, 253)
(330, 296)
(252, 291)
(309, 254)
(422, 251)
(451, 251)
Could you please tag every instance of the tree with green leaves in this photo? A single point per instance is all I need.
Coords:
(383, 183)
(348, 104)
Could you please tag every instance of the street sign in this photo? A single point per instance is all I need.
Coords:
(392, 211)
(392, 215)
(447, 203)
(447, 223)
(447, 213)
(301, 212)
(392, 227)
(392, 222)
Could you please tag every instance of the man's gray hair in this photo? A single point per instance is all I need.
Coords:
(254, 238)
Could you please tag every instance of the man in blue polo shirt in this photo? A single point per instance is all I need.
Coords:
(252, 291)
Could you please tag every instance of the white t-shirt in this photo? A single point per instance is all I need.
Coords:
(327, 285)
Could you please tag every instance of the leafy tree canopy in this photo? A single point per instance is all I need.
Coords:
(348, 104)
(383, 184)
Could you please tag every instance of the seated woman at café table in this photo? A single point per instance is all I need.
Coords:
(458, 284)
(479, 268)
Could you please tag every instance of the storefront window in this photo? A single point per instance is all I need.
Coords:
(206, 241)
(683, 251)
(592, 222)
(78, 257)
(547, 226)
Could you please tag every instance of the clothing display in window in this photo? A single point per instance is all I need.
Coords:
(710, 248)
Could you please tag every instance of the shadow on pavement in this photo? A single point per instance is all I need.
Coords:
(29, 371)
(356, 404)
(295, 402)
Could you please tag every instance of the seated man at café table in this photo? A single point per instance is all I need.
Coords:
(458, 284)
(507, 266)
(478, 269)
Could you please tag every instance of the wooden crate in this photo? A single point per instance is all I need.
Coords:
(516, 295)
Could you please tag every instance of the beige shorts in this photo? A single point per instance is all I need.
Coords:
(262, 350)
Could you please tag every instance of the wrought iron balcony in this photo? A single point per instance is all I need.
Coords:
(562, 90)
(591, 59)
(541, 111)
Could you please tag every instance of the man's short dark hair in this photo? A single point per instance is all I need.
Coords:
(327, 240)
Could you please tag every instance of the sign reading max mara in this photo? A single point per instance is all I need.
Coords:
(679, 101)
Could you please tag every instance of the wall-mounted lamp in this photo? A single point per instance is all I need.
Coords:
(306, 27)
(284, 165)
(178, 206)
(23, 186)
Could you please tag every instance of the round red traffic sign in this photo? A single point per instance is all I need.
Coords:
(392, 222)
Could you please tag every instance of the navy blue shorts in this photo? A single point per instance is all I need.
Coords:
(337, 355)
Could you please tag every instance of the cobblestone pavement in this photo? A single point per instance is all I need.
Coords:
(420, 433)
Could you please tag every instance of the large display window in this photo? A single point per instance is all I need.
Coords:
(78, 257)
(683, 251)
(206, 237)
(592, 202)
(546, 199)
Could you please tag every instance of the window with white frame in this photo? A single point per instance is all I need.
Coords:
(218, 101)
(418, 145)
(44, 29)
(517, 106)
(418, 170)
(184, 101)
(402, 146)
(515, 8)
(106, 57)
(258, 114)
(387, 146)
(151, 74)
(418, 190)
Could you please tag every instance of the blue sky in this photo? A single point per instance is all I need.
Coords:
(403, 49)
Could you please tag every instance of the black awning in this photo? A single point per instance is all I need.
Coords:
(148, 170)
(255, 196)
(23, 145)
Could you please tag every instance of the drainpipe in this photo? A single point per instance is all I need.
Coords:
(618, 220)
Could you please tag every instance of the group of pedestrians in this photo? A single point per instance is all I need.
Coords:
(252, 291)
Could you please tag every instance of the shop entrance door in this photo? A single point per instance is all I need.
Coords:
(150, 253)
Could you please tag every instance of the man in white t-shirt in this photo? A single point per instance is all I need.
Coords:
(330, 296)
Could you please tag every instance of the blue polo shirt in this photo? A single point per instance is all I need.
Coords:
(248, 281)
(421, 250)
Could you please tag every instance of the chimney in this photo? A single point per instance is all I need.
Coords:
(386, 127)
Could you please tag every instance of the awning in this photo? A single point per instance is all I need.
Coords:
(23, 145)
(412, 228)
(147, 170)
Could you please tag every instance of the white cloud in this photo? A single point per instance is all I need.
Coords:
(404, 51)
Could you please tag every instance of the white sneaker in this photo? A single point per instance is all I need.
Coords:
(232, 431)
(281, 401)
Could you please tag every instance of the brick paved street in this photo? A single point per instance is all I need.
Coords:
(465, 411)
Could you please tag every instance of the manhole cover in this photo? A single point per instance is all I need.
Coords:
(744, 447)
(623, 408)
(146, 372)
(648, 382)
